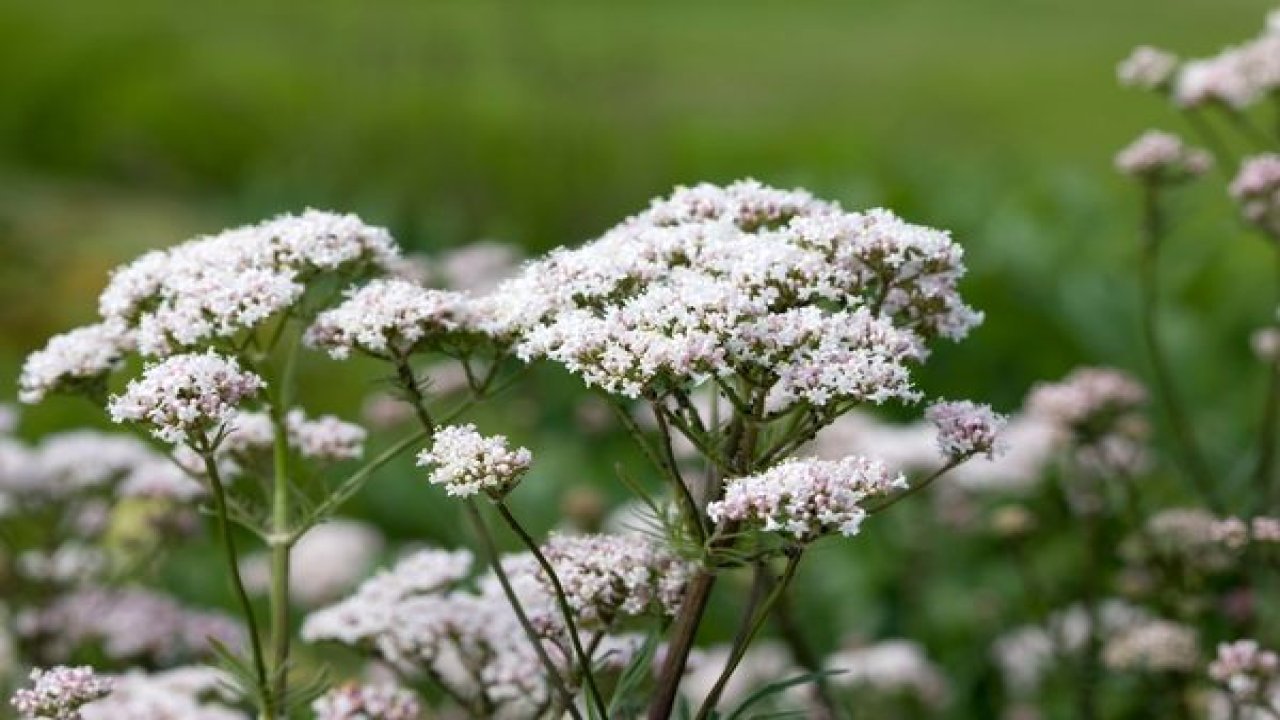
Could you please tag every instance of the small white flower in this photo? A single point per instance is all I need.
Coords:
(466, 462)
(59, 692)
(1163, 156)
(73, 360)
(806, 499)
(367, 702)
(1147, 68)
(966, 429)
(186, 397)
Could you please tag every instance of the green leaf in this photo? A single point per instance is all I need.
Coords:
(774, 688)
(632, 680)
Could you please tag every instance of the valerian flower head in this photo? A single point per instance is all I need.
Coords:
(59, 693)
(1256, 188)
(1147, 68)
(1246, 669)
(218, 286)
(466, 462)
(806, 499)
(367, 702)
(389, 319)
(74, 361)
(1236, 77)
(821, 304)
(1162, 157)
(966, 429)
(186, 397)
(1154, 646)
(606, 577)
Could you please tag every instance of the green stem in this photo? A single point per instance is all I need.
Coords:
(237, 583)
(913, 489)
(562, 600)
(495, 563)
(743, 641)
(281, 544)
(1193, 461)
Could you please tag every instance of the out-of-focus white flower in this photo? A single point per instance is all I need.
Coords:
(71, 562)
(1155, 646)
(186, 397)
(1256, 188)
(74, 361)
(1026, 654)
(892, 667)
(325, 563)
(466, 462)
(1249, 672)
(966, 429)
(127, 624)
(1265, 343)
(1100, 411)
(479, 266)
(764, 662)
(367, 702)
(1161, 156)
(806, 499)
(1147, 68)
(1236, 77)
(59, 693)
(189, 693)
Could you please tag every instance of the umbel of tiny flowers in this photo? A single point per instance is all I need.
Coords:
(1147, 68)
(1162, 158)
(74, 362)
(966, 429)
(1256, 188)
(389, 319)
(804, 500)
(466, 462)
(59, 693)
(186, 398)
(367, 702)
(1247, 671)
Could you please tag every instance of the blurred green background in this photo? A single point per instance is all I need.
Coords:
(132, 125)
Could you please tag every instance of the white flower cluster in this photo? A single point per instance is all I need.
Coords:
(1026, 654)
(893, 667)
(1247, 670)
(1155, 646)
(58, 693)
(1161, 156)
(366, 616)
(1236, 77)
(1256, 187)
(806, 499)
(1089, 399)
(189, 693)
(966, 429)
(1026, 445)
(1147, 68)
(127, 625)
(823, 304)
(186, 397)
(220, 285)
(73, 361)
(367, 702)
(389, 319)
(1235, 533)
(607, 577)
(466, 462)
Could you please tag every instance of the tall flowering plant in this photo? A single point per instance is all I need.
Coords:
(738, 321)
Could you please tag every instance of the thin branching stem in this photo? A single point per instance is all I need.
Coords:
(237, 583)
(743, 641)
(562, 601)
(495, 564)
